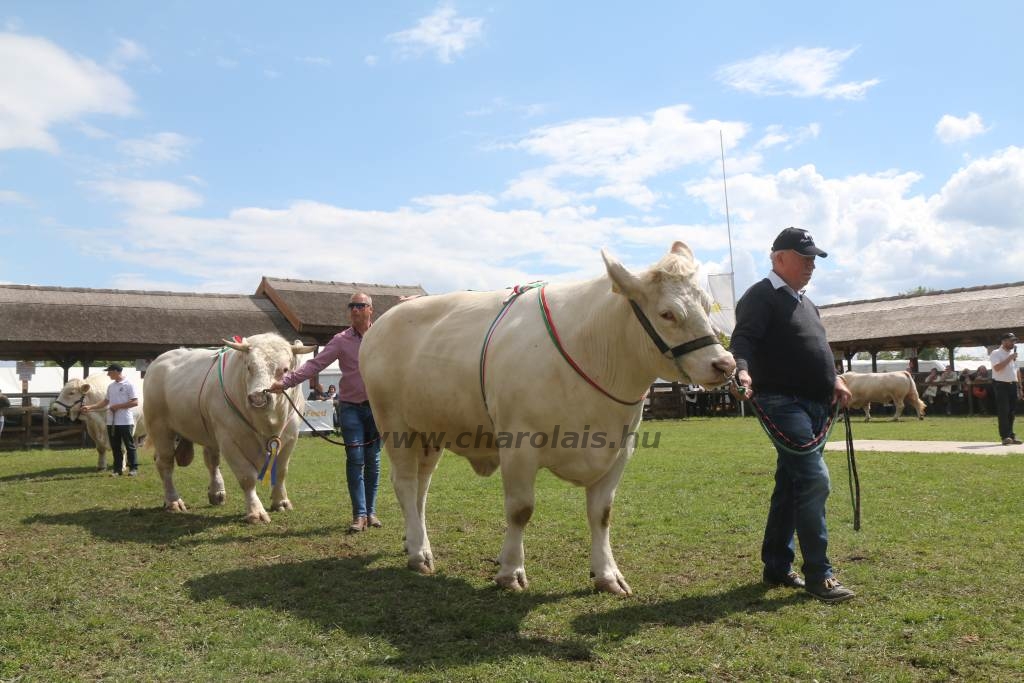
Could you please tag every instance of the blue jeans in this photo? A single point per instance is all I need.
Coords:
(362, 451)
(801, 489)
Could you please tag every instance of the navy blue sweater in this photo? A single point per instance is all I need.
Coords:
(781, 342)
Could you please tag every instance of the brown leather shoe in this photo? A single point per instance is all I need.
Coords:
(790, 580)
(358, 524)
(374, 522)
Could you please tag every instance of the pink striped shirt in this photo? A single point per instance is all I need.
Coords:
(344, 348)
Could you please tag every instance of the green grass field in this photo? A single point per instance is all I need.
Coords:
(98, 583)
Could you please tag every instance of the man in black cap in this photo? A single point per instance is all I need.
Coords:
(781, 352)
(121, 400)
(1005, 386)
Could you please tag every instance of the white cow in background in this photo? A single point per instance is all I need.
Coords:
(883, 387)
(217, 399)
(92, 390)
(428, 372)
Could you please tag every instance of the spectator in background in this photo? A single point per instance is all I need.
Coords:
(4, 404)
(931, 386)
(316, 392)
(1005, 387)
(980, 389)
(948, 388)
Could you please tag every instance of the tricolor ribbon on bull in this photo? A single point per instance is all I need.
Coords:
(272, 444)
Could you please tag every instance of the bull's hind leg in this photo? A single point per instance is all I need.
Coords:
(518, 476)
(411, 470)
(215, 492)
(164, 445)
(600, 496)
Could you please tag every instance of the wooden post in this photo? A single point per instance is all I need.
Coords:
(46, 428)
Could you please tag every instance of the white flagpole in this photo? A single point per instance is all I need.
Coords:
(728, 224)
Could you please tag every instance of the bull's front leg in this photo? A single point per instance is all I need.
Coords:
(518, 478)
(411, 470)
(600, 496)
(246, 474)
(278, 492)
(215, 492)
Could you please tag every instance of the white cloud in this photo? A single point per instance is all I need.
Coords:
(156, 149)
(148, 196)
(616, 156)
(12, 197)
(43, 85)
(315, 61)
(800, 72)
(988, 192)
(951, 129)
(370, 60)
(126, 52)
(443, 33)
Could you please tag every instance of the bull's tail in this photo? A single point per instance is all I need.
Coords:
(912, 396)
(184, 452)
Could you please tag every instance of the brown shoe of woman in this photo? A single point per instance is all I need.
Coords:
(358, 524)
(374, 522)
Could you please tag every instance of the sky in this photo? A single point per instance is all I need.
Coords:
(196, 146)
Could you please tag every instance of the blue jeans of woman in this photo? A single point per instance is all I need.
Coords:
(362, 455)
(801, 489)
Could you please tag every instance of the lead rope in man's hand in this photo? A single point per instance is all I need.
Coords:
(782, 442)
(851, 468)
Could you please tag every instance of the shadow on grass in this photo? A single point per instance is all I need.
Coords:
(626, 621)
(157, 526)
(53, 474)
(431, 620)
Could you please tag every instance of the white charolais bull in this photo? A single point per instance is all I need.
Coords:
(517, 403)
(92, 390)
(883, 387)
(217, 399)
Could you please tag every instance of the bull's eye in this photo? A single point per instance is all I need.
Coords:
(667, 315)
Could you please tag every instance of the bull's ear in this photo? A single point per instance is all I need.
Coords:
(680, 249)
(242, 346)
(84, 388)
(623, 281)
(298, 348)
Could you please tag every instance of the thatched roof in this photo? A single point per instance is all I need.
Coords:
(972, 316)
(319, 309)
(56, 323)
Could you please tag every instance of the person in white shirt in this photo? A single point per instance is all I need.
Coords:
(1005, 386)
(121, 400)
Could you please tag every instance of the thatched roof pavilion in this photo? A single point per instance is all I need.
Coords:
(320, 309)
(970, 316)
(72, 325)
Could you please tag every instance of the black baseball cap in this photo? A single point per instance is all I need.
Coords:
(799, 240)
(1008, 335)
(113, 366)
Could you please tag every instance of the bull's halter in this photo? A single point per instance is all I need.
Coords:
(549, 323)
(68, 406)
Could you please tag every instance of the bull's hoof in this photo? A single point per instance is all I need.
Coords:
(260, 517)
(615, 585)
(281, 505)
(176, 506)
(515, 582)
(217, 497)
(423, 566)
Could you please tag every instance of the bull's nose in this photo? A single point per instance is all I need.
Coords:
(257, 399)
(726, 365)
